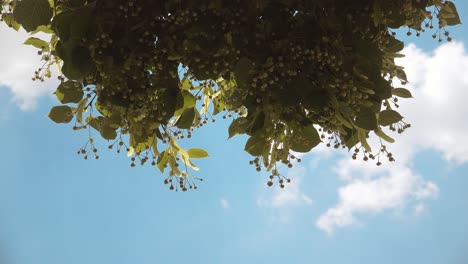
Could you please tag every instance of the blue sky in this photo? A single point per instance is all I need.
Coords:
(56, 207)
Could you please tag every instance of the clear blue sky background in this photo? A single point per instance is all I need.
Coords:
(56, 208)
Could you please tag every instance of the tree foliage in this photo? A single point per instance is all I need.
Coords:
(290, 74)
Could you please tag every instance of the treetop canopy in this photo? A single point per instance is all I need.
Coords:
(289, 74)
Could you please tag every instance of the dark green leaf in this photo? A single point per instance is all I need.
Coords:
(78, 63)
(388, 117)
(305, 139)
(402, 92)
(394, 45)
(255, 145)
(61, 25)
(69, 92)
(32, 13)
(95, 122)
(242, 70)
(238, 126)
(450, 14)
(80, 109)
(108, 133)
(187, 99)
(366, 119)
(61, 114)
(185, 120)
(256, 124)
(401, 74)
(352, 139)
(102, 124)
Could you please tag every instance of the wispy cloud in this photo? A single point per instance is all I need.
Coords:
(17, 66)
(439, 83)
(419, 209)
(391, 191)
(224, 203)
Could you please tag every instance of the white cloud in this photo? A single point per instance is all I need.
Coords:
(18, 63)
(364, 195)
(224, 203)
(290, 195)
(439, 84)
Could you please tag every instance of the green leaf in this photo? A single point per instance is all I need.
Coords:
(401, 74)
(61, 114)
(256, 122)
(394, 45)
(80, 109)
(10, 21)
(343, 120)
(366, 119)
(108, 133)
(206, 104)
(388, 117)
(186, 159)
(395, 55)
(242, 70)
(352, 140)
(81, 23)
(254, 145)
(197, 153)
(238, 126)
(101, 124)
(95, 122)
(154, 147)
(384, 136)
(402, 92)
(69, 92)
(305, 139)
(78, 64)
(61, 25)
(38, 43)
(32, 13)
(185, 120)
(362, 135)
(186, 84)
(189, 100)
(450, 14)
(162, 160)
(44, 29)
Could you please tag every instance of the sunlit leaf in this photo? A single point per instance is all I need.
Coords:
(197, 153)
(38, 43)
(10, 21)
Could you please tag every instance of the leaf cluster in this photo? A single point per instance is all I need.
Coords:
(288, 73)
